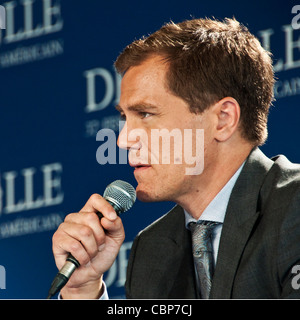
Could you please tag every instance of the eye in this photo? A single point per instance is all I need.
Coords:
(145, 114)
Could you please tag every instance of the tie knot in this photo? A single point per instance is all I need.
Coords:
(204, 225)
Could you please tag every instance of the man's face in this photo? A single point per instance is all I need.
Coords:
(148, 107)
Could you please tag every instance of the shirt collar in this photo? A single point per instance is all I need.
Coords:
(216, 210)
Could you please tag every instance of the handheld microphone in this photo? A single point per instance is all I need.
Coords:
(121, 195)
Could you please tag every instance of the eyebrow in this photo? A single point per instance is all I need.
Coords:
(138, 107)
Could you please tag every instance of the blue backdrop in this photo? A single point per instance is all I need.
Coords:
(58, 87)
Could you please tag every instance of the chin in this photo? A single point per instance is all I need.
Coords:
(148, 194)
(145, 196)
(151, 195)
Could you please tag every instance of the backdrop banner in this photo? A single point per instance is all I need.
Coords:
(58, 88)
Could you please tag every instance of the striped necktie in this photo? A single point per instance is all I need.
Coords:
(203, 254)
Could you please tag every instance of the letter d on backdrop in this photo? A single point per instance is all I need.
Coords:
(2, 18)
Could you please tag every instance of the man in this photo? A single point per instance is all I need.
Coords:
(214, 76)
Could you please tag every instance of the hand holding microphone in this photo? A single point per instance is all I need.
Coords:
(94, 245)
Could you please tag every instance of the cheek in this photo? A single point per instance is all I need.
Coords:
(169, 176)
(165, 147)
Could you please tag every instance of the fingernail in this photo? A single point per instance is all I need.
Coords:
(112, 215)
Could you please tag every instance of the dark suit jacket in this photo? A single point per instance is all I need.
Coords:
(260, 241)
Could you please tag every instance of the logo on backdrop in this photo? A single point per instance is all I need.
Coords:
(102, 91)
(2, 18)
(31, 188)
(116, 275)
(291, 59)
(37, 19)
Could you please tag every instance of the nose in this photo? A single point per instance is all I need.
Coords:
(124, 142)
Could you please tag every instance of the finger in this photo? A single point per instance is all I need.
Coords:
(96, 203)
(84, 235)
(63, 244)
(91, 220)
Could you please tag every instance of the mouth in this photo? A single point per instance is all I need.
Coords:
(139, 166)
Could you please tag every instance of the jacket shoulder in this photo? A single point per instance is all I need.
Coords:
(284, 175)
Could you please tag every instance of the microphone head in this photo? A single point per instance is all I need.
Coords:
(121, 195)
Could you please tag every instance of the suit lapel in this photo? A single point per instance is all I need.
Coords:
(165, 261)
(180, 277)
(241, 215)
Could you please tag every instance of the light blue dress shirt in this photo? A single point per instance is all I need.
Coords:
(215, 211)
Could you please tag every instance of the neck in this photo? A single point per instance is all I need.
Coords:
(215, 176)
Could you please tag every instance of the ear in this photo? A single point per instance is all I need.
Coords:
(227, 112)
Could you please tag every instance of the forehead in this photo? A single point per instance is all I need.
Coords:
(145, 85)
(148, 75)
(145, 81)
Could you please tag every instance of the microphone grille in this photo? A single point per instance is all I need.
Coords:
(121, 194)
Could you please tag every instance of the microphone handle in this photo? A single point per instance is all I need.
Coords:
(71, 265)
